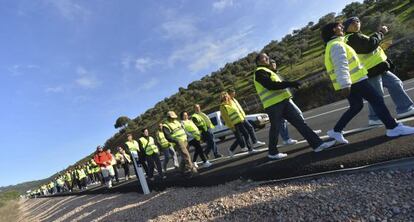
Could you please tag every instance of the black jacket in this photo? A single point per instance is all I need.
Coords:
(364, 45)
(263, 78)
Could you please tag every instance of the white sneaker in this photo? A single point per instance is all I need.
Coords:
(339, 137)
(277, 156)
(259, 143)
(231, 153)
(406, 114)
(253, 151)
(374, 122)
(195, 165)
(290, 142)
(244, 149)
(317, 131)
(207, 164)
(400, 130)
(324, 146)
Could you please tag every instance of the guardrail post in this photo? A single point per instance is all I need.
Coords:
(140, 176)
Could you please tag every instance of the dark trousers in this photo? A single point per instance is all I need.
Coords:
(364, 90)
(242, 137)
(142, 158)
(154, 160)
(288, 110)
(125, 166)
(250, 130)
(208, 137)
(116, 166)
(198, 150)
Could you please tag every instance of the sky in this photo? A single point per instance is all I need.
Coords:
(70, 68)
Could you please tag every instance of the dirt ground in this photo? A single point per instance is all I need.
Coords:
(374, 196)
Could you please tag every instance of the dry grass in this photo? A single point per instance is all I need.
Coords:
(10, 211)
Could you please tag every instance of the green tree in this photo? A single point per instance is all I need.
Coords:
(122, 121)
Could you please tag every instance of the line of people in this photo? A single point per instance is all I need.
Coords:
(356, 65)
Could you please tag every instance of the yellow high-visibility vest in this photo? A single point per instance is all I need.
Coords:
(371, 59)
(162, 140)
(270, 97)
(149, 145)
(132, 146)
(191, 128)
(356, 70)
(177, 131)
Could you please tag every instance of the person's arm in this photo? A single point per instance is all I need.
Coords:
(167, 135)
(263, 78)
(341, 66)
(363, 45)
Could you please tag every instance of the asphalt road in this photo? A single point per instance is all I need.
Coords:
(366, 146)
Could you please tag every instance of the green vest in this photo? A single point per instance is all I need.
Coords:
(132, 146)
(81, 174)
(270, 97)
(239, 107)
(68, 177)
(177, 131)
(233, 113)
(162, 140)
(192, 129)
(356, 70)
(371, 59)
(148, 145)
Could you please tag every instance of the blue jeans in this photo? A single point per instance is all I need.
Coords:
(288, 110)
(284, 133)
(167, 153)
(364, 90)
(395, 87)
(250, 130)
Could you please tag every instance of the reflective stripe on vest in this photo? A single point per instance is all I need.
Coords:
(132, 146)
(270, 97)
(239, 107)
(176, 130)
(233, 113)
(356, 70)
(192, 129)
(149, 145)
(162, 140)
(371, 59)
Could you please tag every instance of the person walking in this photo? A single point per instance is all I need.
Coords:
(103, 159)
(175, 133)
(246, 124)
(203, 123)
(152, 154)
(380, 68)
(349, 75)
(81, 178)
(233, 119)
(194, 139)
(276, 100)
(114, 165)
(136, 152)
(123, 159)
(68, 180)
(284, 131)
(166, 148)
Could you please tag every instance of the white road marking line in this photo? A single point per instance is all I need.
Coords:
(346, 107)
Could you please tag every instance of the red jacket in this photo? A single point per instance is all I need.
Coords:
(103, 159)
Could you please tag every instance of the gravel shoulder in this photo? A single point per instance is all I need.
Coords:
(386, 195)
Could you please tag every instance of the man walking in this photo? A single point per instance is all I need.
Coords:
(379, 68)
(203, 123)
(276, 100)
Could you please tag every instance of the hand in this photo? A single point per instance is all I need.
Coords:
(294, 84)
(383, 29)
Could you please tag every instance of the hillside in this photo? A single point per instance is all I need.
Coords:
(300, 57)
